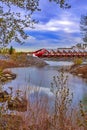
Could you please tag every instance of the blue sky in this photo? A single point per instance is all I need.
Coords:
(56, 28)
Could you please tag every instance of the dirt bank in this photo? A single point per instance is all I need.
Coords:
(22, 61)
(79, 70)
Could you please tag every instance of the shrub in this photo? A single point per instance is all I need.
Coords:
(78, 61)
(65, 117)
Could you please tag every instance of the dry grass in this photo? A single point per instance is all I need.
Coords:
(39, 117)
(64, 117)
(7, 64)
(10, 122)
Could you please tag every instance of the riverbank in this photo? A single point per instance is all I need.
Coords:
(21, 61)
(79, 70)
(6, 75)
(12, 61)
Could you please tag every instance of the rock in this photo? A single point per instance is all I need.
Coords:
(80, 74)
(9, 78)
(36, 61)
(7, 75)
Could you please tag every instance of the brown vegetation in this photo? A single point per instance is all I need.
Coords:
(21, 60)
(17, 104)
(10, 122)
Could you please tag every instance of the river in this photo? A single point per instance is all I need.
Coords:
(33, 77)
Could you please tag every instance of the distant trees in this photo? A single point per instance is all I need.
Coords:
(5, 50)
(83, 27)
(13, 23)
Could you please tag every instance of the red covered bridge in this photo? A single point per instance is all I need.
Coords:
(60, 52)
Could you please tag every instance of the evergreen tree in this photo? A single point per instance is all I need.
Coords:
(11, 50)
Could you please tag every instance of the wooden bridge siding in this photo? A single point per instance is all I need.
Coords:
(65, 55)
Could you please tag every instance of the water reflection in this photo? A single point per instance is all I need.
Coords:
(34, 77)
(59, 63)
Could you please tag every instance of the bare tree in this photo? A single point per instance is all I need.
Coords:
(83, 27)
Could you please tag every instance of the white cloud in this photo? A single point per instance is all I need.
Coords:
(35, 43)
(57, 25)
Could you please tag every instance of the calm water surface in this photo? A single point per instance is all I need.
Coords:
(32, 77)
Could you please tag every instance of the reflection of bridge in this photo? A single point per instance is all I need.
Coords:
(61, 52)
